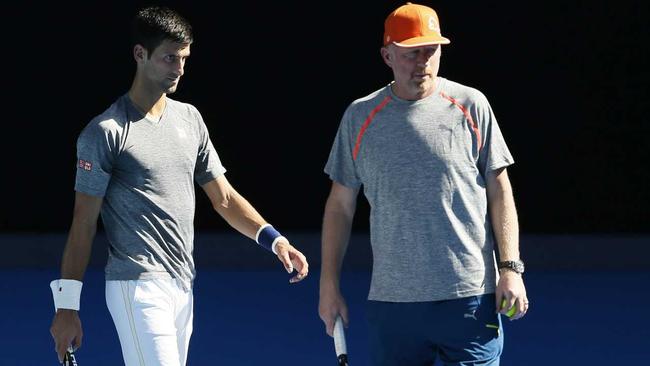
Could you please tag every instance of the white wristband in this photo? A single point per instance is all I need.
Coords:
(66, 294)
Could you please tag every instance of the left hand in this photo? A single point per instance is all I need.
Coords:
(292, 258)
(511, 287)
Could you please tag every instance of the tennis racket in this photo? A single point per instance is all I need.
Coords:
(69, 359)
(339, 342)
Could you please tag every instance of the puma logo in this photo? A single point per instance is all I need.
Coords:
(471, 315)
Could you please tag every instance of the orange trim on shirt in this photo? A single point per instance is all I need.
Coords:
(366, 124)
(468, 116)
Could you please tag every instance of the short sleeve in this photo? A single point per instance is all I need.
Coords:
(341, 166)
(95, 158)
(208, 165)
(494, 153)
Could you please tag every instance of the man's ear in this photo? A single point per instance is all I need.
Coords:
(386, 56)
(139, 53)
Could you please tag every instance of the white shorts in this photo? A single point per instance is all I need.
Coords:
(153, 319)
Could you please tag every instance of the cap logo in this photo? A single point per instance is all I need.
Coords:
(433, 25)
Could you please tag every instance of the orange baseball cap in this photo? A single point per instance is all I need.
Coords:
(413, 25)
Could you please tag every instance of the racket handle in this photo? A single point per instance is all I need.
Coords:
(69, 359)
(339, 338)
(343, 360)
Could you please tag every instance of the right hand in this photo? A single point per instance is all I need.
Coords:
(66, 331)
(331, 305)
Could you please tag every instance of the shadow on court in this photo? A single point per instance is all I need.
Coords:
(257, 318)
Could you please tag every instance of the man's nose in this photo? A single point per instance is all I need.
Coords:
(180, 67)
(423, 59)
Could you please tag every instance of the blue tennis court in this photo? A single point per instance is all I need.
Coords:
(256, 318)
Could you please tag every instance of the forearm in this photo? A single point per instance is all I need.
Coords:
(337, 226)
(505, 225)
(240, 214)
(77, 249)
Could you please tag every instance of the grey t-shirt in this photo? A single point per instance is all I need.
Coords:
(423, 167)
(145, 170)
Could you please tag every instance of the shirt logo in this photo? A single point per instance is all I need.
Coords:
(85, 165)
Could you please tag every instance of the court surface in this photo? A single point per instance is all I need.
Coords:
(257, 318)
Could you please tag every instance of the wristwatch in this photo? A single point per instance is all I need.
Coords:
(515, 266)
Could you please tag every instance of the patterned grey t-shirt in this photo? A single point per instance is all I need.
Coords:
(423, 167)
(145, 170)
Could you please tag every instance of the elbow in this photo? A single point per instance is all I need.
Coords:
(222, 204)
(223, 200)
(499, 189)
(220, 193)
(344, 211)
(499, 196)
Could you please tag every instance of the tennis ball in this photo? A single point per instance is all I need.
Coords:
(510, 311)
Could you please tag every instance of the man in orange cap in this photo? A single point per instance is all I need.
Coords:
(432, 161)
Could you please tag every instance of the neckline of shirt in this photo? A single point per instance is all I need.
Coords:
(440, 82)
(146, 116)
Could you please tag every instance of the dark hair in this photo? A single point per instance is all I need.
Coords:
(154, 24)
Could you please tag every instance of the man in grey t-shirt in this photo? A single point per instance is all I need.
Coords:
(137, 165)
(432, 162)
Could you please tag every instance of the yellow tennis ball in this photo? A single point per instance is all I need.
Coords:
(510, 311)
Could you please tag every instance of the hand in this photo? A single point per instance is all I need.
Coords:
(331, 305)
(66, 331)
(511, 287)
(292, 258)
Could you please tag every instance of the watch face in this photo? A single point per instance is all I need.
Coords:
(517, 266)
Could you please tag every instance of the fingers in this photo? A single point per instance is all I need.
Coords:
(76, 344)
(498, 298)
(300, 263)
(283, 255)
(329, 324)
(291, 258)
(511, 296)
(62, 344)
(522, 308)
(331, 320)
(507, 302)
(520, 303)
(61, 348)
(330, 306)
(66, 331)
(344, 315)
